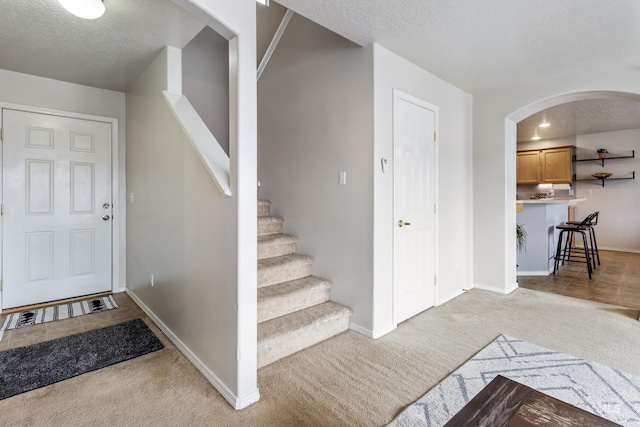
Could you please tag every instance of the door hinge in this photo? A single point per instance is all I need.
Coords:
(0, 285)
(434, 208)
(2, 209)
(435, 280)
(434, 136)
(1, 134)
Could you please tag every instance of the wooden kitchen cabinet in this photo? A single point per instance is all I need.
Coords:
(557, 166)
(548, 166)
(528, 167)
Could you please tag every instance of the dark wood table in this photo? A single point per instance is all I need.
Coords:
(504, 402)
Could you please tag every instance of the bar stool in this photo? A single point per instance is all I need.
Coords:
(565, 254)
(595, 254)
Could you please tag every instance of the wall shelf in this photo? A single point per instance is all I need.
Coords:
(602, 180)
(612, 157)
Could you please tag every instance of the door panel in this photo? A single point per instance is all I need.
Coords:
(56, 178)
(414, 200)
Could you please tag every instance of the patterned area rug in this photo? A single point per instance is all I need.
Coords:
(57, 312)
(595, 388)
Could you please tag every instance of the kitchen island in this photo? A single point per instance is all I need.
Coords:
(539, 218)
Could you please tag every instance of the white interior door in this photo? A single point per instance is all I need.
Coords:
(56, 191)
(414, 237)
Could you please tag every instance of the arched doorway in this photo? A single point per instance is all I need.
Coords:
(613, 281)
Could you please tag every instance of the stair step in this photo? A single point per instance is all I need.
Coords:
(264, 208)
(288, 297)
(269, 225)
(272, 245)
(285, 335)
(283, 269)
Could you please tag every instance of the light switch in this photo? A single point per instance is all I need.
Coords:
(343, 178)
(132, 197)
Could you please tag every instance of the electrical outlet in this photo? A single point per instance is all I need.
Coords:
(342, 180)
(151, 280)
(589, 192)
(571, 192)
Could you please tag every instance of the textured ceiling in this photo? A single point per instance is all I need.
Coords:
(582, 118)
(481, 44)
(39, 37)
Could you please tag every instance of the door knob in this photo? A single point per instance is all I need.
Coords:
(401, 223)
(106, 218)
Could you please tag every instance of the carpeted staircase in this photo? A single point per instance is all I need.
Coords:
(294, 311)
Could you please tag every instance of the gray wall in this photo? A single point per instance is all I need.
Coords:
(205, 81)
(268, 20)
(315, 119)
(181, 230)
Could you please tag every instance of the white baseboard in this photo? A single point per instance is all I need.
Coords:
(369, 333)
(534, 273)
(505, 291)
(511, 288)
(450, 297)
(235, 401)
(603, 248)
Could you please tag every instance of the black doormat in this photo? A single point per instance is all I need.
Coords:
(28, 368)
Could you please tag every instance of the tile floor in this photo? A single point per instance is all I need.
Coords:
(615, 281)
(127, 310)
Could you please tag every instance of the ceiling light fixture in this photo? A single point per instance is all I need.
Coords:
(535, 136)
(545, 123)
(87, 9)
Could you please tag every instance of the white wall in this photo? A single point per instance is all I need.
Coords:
(454, 180)
(618, 201)
(235, 20)
(36, 91)
(496, 113)
(315, 101)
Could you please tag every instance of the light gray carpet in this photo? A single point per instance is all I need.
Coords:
(590, 386)
(349, 380)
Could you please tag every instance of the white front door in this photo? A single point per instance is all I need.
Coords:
(414, 237)
(56, 195)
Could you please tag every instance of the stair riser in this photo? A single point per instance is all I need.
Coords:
(268, 251)
(286, 344)
(273, 276)
(284, 304)
(264, 210)
(269, 228)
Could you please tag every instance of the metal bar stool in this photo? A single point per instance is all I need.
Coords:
(565, 254)
(595, 254)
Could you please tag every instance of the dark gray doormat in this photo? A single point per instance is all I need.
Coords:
(28, 368)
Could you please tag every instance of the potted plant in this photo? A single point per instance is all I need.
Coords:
(521, 237)
(602, 153)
